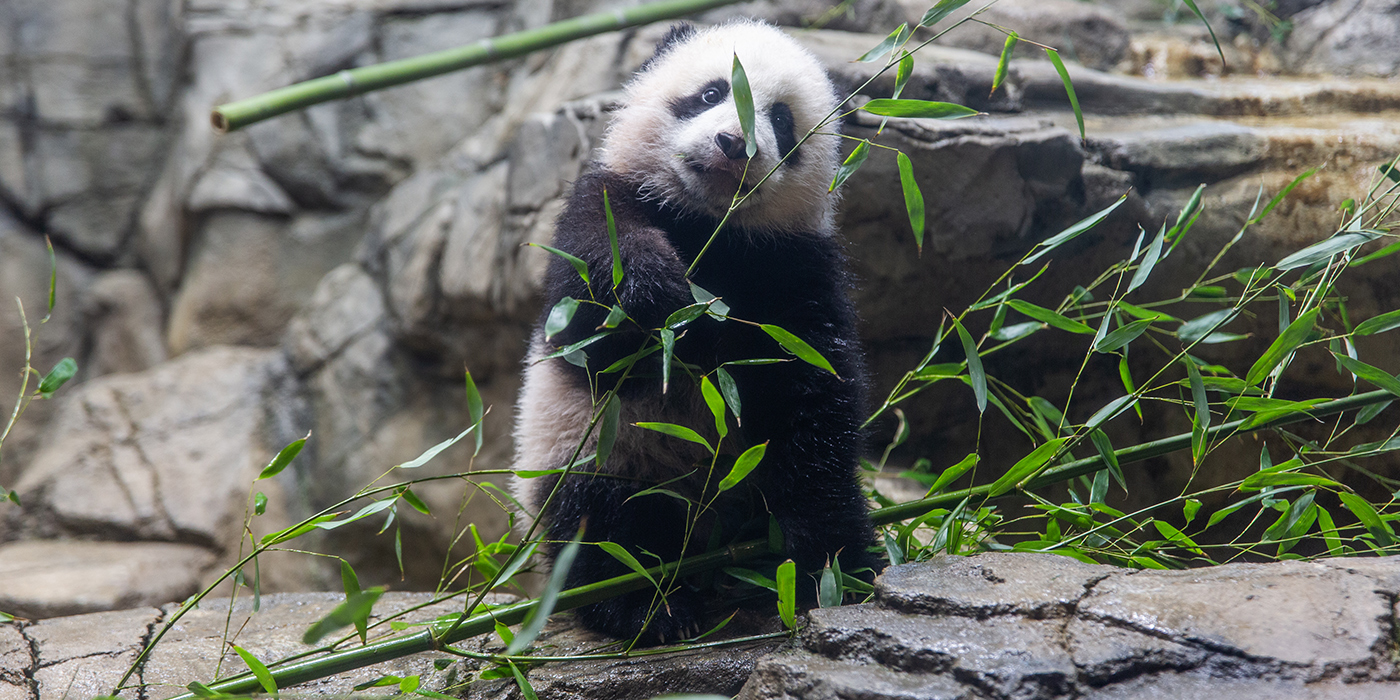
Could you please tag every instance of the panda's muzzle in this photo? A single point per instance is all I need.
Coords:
(733, 147)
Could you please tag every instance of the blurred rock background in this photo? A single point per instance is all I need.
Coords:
(335, 270)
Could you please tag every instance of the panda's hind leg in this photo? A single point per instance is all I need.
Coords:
(656, 523)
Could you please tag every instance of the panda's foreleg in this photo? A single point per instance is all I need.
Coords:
(655, 523)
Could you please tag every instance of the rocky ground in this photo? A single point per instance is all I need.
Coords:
(334, 270)
(991, 626)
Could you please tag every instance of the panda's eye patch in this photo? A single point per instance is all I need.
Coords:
(780, 116)
(693, 104)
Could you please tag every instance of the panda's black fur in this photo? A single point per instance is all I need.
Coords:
(792, 274)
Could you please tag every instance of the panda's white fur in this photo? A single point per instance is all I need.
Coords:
(646, 141)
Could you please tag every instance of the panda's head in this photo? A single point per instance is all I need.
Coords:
(678, 134)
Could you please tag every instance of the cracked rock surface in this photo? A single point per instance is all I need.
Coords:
(1042, 626)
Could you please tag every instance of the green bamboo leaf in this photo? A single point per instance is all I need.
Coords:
(743, 102)
(1005, 59)
(434, 451)
(1069, 88)
(676, 431)
(1259, 480)
(1282, 193)
(580, 266)
(1172, 534)
(913, 199)
(619, 553)
(1110, 458)
(1390, 171)
(1045, 315)
(1072, 232)
(1192, 4)
(917, 109)
(1149, 261)
(607, 428)
(751, 577)
(896, 38)
(572, 348)
(952, 473)
(1286, 343)
(57, 377)
(1367, 414)
(361, 514)
(828, 593)
(715, 402)
(560, 316)
(902, 73)
(53, 277)
(476, 410)
(1329, 532)
(730, 391)
(526, 691)
(851, 164)
(1368, 516)
(797, 346)
(259, 670)
(1385, 322)
(1198, 328)
(1198, 394)
(1189, 508)
(684, 315)
(1122, 336)
(350, 583)
(283, 458)
(668, 352)
(534, 622)
(1323, 250)
(717, 308)
(195, 687)
(940, 10)
(1385, 252)
(1374, 375)
(1027, 467)
(518, 559)
(612, 242)
(413, 500)
(1016, 331)
(975, 372)
(1110, 411)
(742, 466)
(787, 594)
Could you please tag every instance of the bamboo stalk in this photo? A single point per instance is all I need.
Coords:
(357, 81)
(311, 669)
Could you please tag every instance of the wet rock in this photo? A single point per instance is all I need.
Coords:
(51, 578)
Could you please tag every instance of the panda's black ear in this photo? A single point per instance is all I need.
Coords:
(679, 33)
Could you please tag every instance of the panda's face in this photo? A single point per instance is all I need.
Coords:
(679, 133)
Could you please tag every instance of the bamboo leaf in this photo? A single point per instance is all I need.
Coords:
(902, 73)
(1281, 194)
(1072, 232)
(1000, 73)
(913, 199)
(917, 109)
(534, 622)
(476, 410)
(612, 242)
(743, 465)
(1198, 328)
(1286, 343)
(1045, 315)
(751, 577)
(716, 404)
(1110, 411)
(797, 346)
(617, 552)
(940, 10)
(668, 351)
(1323, 250)
(1368, 516)
(1192, 4)
(896, 38)
(952, 473)
(1379, 324)
(743, 102)
(53, 277)
(607, 428)
(259, 670)
(527, 692)
(1374, 375)
(974, 367)
(730, 391)
(828, 593)
(1069, 88)
(851, 164)
(580, 266)
(1122, 336)
(676, 431)
(1259, 480)
(684, 315)
(560, 316)
(615, 317)
(283, 458)
(1027, 466)
(57, 377)
(1110, 458)
(1198, 394)
(433, 451)
(1149, 261)
(787, 593)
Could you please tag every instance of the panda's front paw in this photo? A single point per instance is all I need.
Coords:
(631, 616)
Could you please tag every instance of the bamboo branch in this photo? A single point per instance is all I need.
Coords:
(305, 670)
(357, 81)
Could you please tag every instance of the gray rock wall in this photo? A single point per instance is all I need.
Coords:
(335, 270)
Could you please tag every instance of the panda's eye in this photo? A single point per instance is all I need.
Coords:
(780, 119)
(711, 96)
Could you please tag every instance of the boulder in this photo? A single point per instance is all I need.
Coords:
(46, 578)
(1345, 37)
(1094, 35)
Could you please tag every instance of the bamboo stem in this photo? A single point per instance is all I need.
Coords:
(357, 81)
(310, 669)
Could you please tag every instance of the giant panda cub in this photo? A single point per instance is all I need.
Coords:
(671, 162)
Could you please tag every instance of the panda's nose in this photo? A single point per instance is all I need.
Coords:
(732, 146)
